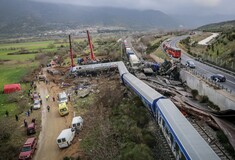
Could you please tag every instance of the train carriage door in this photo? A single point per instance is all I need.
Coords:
(171, 141)
(174, 148)
(159, 119)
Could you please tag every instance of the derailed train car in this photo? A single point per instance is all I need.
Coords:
(184, 141)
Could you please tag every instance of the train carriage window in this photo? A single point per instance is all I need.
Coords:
(163, 123)
(167, 131)
(177, 148)
(171, 138)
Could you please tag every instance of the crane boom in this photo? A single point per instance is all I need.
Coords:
(90, 45)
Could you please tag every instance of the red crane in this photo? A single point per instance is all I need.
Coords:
(71, 52)
(91, 48)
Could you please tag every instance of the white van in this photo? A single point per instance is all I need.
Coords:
(65, 138)
(77, 123)
(62, 97)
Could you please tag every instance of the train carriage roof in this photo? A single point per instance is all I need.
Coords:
(190, 139)
(147, 92)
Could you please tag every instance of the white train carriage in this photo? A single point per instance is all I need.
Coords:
(183, 139)
(134, 61)
(122, 68)
(148, 95)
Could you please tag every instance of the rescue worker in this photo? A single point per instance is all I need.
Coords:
(48, 108)
(47, 97)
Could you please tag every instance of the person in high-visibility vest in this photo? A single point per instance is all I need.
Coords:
(47, 97)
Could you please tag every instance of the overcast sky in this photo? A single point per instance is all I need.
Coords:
(208, 7)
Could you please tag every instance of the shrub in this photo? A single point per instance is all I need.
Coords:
(137, 152)
(194, 93)
(13, 97)
(149, 139)
(224, 140)
(212, 105)
(204, 99)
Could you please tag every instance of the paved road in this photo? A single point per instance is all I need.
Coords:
(205, 69)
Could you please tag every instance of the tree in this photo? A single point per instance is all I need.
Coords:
(212, 48)
(51, 45)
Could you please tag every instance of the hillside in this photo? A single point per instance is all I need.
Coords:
(22, 16)
(218, 27)
(220, 51)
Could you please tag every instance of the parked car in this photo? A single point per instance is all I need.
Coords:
(31, 129)
(36, 104)
(190, 64)
(28, 149)
(218, 78)
(35, 96)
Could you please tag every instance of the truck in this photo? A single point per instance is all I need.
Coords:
(65, 138)
(77, 123)
(62, 97)
(134, 61)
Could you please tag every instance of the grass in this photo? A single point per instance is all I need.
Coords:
(26, 45)
(13, 73)
(161, 54)
(12, 133)
(162, 38)
(199, 37)
(224, 140)
(23, 57)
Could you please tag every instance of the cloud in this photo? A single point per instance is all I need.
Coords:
(207, 3)
(167, 6)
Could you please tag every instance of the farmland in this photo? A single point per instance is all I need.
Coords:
(13, 69)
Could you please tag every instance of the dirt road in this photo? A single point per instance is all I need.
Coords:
(52, 125)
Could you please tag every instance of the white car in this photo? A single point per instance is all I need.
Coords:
(36, 104)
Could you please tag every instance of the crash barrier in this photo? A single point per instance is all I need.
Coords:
(223, 97)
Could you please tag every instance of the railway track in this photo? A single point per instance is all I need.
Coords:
(209, 138)
(162, 149)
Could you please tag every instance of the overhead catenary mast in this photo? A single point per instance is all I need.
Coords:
(71, 52)
(92, 56)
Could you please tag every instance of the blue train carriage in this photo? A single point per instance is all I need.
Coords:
(147, 95)
(183, 139)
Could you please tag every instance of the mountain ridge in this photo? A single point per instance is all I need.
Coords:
(30, 16)
(218, 27)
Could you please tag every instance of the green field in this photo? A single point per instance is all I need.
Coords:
(42, 46)
(16, 67)
(27, 45)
